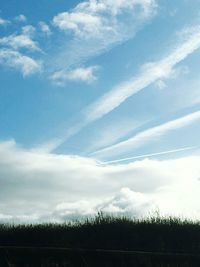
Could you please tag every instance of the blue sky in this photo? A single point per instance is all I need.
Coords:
(100, 87)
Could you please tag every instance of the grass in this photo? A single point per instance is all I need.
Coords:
(108, 232)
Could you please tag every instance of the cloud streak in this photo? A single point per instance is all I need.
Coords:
(148, 135)
(151, 72)
(149, 155)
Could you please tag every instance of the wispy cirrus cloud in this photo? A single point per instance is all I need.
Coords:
(148, 135)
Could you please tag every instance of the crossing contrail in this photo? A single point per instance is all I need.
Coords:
(150, 155)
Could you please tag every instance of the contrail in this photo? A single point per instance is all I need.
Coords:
(150, 73)
(150, 155)
(147, 135)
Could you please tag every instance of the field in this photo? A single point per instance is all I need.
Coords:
(102, 241)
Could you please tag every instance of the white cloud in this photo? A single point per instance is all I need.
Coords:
(92, 18)
(16, 60)
(45, 28)
(81, 24)
(80, 74)
(128, 202)
(23, 40)
(10, 55)
(125, 202)
(148, 135)
(19, 41)
(28, 30)
(96, 26)
(115, 7)
(112, 133)
(161, 84)
(189, 98)
(20, 18)
(41, 186)
(151, 72)
(3, 22)
(167, 152)
(174, 74)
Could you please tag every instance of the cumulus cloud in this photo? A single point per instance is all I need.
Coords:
(41, 186)
(128, 202)
(16, 60)
(80, 74)
(92, 18)
(96, 26)
(81, 24)
(23, 40)
(3, 22)
(12, 53)
(124, 202)
(28, 30)
(19, 41)
(20, 18)
(44, 27)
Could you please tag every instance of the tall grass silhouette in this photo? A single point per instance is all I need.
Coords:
(109, 232)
